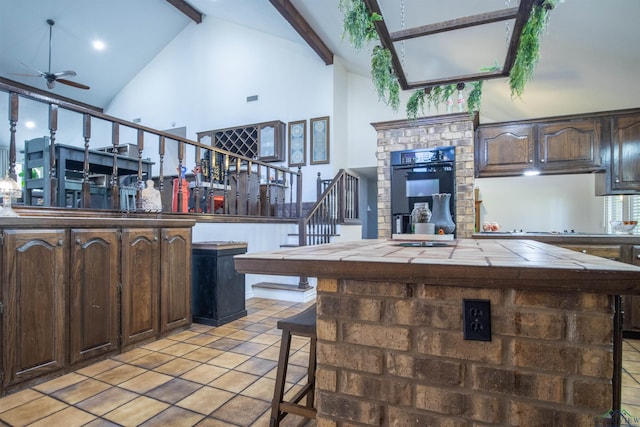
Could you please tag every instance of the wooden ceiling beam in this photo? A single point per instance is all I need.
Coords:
(194, 14)
(466, 78)
(521, 15)
(524, 12)
(455, 24)
(297, 21)
(386, 41)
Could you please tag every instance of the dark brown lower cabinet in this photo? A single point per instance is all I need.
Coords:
(139, 294)
(93, 293)
(34, 292)
(74, 290)
(175, 282)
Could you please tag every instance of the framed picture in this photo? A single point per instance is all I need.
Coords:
(298, 143)
(319, 140)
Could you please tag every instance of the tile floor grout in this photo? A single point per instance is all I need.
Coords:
(204, 376)
(187, 379)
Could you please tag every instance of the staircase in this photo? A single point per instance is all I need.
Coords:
(336, 208)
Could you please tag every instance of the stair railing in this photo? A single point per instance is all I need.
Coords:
(338, 204)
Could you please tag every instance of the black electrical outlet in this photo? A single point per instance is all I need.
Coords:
(476, 317)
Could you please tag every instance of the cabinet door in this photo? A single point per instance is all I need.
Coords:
(140, 254)
(569, 147)
(93, 293)
(34, 284)
(175, 287)
(505, 150)
(625, 162)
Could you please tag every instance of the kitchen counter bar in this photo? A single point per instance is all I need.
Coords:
(504, 263)
(391, 321)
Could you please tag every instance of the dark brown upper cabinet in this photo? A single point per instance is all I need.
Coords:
(550, 147)
(569, 147)
(623, 153)
(504, 150)
(271, 141)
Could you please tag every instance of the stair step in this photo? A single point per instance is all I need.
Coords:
(283, 292)
(281, 286)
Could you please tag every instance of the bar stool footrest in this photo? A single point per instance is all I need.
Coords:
(294, 408)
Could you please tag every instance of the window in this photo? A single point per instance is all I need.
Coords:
(623, 207)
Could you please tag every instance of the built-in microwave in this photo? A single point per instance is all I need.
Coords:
(415, 176)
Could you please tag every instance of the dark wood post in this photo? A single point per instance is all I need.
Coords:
(13, 121)
(50, 194)
(161, 144)
(115, 182)
(86, 185)
(139, 183)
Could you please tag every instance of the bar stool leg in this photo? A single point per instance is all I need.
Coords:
(283, 362)
(311, 374)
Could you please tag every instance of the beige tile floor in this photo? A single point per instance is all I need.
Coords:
(205, 376)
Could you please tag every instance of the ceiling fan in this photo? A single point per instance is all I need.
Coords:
(50, 77)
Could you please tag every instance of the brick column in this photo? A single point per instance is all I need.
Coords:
(447, 130)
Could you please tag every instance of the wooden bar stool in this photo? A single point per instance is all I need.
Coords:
(302, 324)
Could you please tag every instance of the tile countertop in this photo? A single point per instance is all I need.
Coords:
(486, 263)
(600, 238)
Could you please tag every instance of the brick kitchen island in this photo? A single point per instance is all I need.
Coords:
(390, 331)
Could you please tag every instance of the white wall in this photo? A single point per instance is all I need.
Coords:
(542, 203)
(201, 83)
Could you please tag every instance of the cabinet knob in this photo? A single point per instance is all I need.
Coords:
(617, 180)
(530, 161)
(541, 160)
(78, 242)
(584, 251)
(638, 256)
(60, 242)
(155, 238)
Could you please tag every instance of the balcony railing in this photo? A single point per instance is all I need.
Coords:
(81, 170)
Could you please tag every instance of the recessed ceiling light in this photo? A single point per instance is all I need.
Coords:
(29, 124)
(98, 45)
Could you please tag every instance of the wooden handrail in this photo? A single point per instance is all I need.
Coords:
(234, 164)
(338, 204)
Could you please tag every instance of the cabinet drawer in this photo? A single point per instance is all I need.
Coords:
(604, 251)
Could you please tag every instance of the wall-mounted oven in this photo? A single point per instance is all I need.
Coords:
(415, 176)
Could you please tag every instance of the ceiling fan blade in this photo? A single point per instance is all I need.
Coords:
(71, 83)
(40, 73)
(24, 75)
(67, 73)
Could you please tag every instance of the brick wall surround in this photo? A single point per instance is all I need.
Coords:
(393, 354)
(446, 130)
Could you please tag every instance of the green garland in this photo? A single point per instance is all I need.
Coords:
(528, 52)
(384, 79)
(415, 104)
(359, 24)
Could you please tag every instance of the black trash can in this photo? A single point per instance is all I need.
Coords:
(217, 289)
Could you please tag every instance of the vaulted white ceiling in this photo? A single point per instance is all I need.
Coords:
(590, 57)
